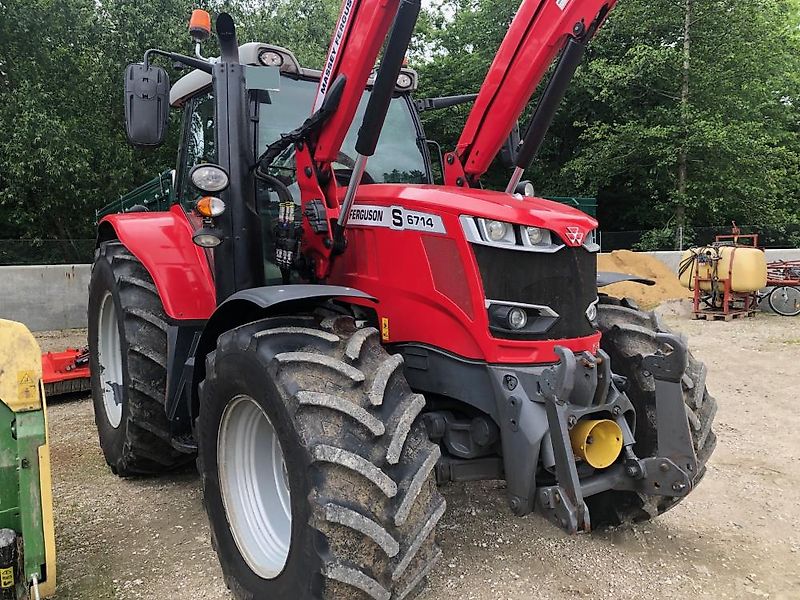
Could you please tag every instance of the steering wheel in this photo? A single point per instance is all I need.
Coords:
(343, 175)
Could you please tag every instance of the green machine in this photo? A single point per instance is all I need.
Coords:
(27, 538)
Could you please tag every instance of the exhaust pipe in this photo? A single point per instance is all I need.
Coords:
(597, 441)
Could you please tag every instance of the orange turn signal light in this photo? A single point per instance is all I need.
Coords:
(210, 206)
(200, 25)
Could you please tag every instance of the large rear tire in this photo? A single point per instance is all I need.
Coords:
(128, 364)
(629, 334)
(308, 437)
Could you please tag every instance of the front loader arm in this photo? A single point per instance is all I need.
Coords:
(538, 32)
(360, 31)
(359, 34)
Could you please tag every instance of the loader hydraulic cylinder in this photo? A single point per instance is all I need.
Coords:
(546, 109)
(378, 105)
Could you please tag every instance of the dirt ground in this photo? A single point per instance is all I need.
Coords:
(736, 536)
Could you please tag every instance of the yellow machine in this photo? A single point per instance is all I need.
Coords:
(27, 536)
(745, 267)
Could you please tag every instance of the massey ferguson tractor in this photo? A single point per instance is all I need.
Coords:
(331, 335)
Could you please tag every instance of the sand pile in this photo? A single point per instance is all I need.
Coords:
(667, 286)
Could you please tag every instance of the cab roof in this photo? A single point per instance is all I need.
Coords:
(251, 54)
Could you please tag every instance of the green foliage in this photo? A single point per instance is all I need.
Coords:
(619, 132)
(63, 152)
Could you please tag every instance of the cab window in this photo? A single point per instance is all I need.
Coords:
(198, 143)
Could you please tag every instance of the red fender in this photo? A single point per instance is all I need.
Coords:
(162, 241)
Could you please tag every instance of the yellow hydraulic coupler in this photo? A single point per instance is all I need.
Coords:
(27, 541)
(597, 441)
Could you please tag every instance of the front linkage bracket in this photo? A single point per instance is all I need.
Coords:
(674, 471)
(562, 503)
(674, 437)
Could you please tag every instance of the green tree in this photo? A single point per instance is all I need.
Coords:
(685, 111)
(63, 153)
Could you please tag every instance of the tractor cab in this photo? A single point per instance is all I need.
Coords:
(401, 155)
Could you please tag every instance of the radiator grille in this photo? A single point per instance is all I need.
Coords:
(566, 281)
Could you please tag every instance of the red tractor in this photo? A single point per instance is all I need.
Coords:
(331, 335)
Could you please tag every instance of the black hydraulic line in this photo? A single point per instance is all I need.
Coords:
(385, 82)
(443, 102)
(551, 99)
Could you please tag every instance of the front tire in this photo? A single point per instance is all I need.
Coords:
(332, 406)
(128, 365)
(629, 334)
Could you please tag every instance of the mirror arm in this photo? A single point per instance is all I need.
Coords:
(189, 61)
(443, 102)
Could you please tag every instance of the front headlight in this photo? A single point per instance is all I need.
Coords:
(496, 230)
(207, 237)
(535, 235)
(492, 232)
(517, 318)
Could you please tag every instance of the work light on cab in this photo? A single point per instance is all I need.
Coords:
(525, 188)
(209, 179)
(404, 81)
(207, 237)
(270, 58)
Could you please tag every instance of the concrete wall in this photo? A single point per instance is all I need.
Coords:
(45, 297)
(671, 259)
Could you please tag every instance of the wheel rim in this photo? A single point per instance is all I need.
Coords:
(785, 300)
(255, 487)
(109, 358)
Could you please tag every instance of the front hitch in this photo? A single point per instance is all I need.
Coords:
(673, 472)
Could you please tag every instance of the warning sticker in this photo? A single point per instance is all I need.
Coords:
(7, 577)
(26, 386)
(385, 329)
(562, 4)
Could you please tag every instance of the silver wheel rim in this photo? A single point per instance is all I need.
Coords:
(109, 358)
(255, 487)
(785, 300)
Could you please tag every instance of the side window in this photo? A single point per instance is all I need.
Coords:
(198, 143)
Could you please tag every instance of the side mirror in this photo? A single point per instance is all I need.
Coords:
(508, 153)
(146, 104)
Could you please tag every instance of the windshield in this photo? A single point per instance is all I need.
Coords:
(398, 157)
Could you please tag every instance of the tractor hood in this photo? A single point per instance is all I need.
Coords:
(570, 224)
